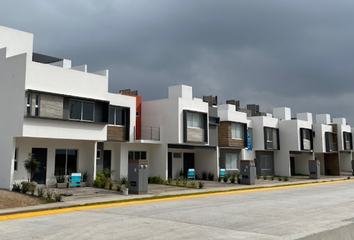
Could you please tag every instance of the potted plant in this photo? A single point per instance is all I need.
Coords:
(61, 181)
(126, 188)
(31, 165)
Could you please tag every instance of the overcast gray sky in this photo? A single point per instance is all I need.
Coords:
(274, 53)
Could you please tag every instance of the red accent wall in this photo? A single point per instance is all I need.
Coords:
(137, 118)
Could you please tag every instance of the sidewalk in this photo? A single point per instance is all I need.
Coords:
(82, 196)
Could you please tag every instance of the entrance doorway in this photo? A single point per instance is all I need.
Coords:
(292, 166)
(169, 166)
(188, 162)
(40, 154)
(107, 154)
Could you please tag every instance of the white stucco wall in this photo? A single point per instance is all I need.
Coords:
(12, 97)
(206, 160)
(342, 128)
(17, 42)
(48, 78)
(319, 141)
(85, 162)
(345, 162)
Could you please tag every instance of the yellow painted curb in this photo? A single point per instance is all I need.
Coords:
(120, 204)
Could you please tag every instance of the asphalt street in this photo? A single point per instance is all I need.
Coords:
(288, 213)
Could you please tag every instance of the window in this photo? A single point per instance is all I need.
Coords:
(98, 154)
(331, 143)
(65, 161)
(36, 106)
(81, 110)
(306, 135)
(136, 155)
(231, 161)
(177, 155)
(16, 159)
(271, 138)
(347, 144)
(194, 120)
(117, 116)
(214, 120)
(237, 131)
(266, 162)
(28, 104)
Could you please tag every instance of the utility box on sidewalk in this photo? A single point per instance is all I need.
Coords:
(138, 174)
(315, 169)
(248, 172)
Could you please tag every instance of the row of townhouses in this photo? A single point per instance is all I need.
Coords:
(66, 117)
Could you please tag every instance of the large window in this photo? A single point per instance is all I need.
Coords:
(347, 138)
(271, 138)
(331, 143)
(117, 116)
(81, 110)
(28, 104)
(306, 139)
(65, 161)
(194, 120)
(231, 161)
(237, 131)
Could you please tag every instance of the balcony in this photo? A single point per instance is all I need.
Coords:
(148, 133)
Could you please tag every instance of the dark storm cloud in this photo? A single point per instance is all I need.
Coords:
(275, 53)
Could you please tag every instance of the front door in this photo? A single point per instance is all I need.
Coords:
(292, 166)
(40, 154)
(169, 167)
(188, 162)
(107, 154)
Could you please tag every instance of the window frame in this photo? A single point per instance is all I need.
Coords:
(16, 160)
(28, 104)
(36, 105)
(195, 116)
(242, 130)
(347, 136)
(66, 160)
(231, 157)
(271, 135)
(82, 110)
(132, 155)
(124, 117)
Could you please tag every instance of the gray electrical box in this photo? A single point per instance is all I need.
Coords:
(315, 169)
(248, 172)
(138, 174)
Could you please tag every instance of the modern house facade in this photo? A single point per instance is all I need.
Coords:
(66, 117)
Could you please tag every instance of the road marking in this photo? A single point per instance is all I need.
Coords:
(121, 204)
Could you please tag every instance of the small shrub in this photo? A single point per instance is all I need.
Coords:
(16, 187)
(100, 181)
(279, 178)
(57, 197)
(181, 173)
(123, 180)
(192, 184)
(238, 177)
(184, 183)
(49, 194)
(226, 178)
(110, 185)
(286, 178)
(200, 184)
(40, 192)
(233, 179)
(204, 175)
(272, 178)
(60, 178)
(25, 186)
(258, 177)
(85, 176)
(265, 177)
(219, 179)
(155, 180)
(211, 176)
(348, 177)
(119, 187)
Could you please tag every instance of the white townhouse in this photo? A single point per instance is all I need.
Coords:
(188, 135)
(58, 112)
(296, 143)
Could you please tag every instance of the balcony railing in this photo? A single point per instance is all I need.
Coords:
(148, 133)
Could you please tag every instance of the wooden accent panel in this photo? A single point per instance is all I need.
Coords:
(224, 136)
(116, 133)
